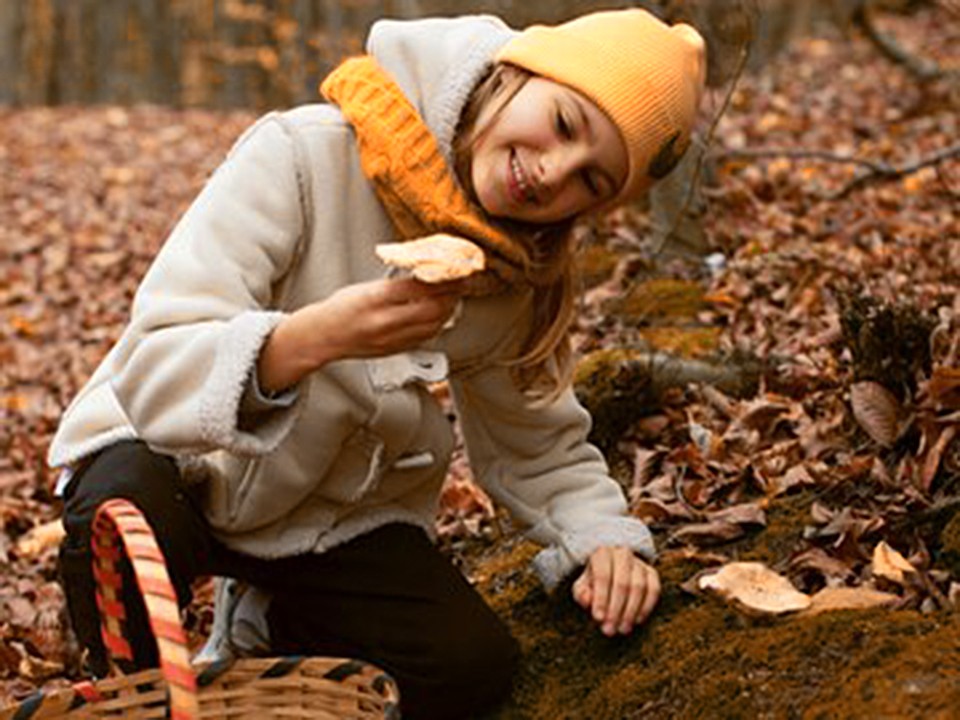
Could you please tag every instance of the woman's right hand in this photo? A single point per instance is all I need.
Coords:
(369, 319)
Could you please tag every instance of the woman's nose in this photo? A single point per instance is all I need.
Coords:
(559, 164)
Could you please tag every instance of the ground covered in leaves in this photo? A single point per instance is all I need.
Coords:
(831, 456)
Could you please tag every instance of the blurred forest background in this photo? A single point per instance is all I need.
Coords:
(272, 53)
(266, 54)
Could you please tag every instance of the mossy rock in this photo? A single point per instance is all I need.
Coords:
(596, 264)
(663, 300)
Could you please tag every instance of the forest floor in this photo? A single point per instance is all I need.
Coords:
(837, 465)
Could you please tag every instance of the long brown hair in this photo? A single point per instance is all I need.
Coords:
(544, 366)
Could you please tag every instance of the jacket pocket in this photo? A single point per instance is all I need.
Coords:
(357, 469)
(227, 479)
(243, 488)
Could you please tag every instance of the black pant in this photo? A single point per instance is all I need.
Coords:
(388, 597)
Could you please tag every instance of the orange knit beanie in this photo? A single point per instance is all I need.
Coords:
(647, 76)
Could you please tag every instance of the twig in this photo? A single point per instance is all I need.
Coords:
(888, 173)
(923, 69)
(824, 155)
(877, 171)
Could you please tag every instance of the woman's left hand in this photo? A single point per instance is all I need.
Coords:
(619, 589)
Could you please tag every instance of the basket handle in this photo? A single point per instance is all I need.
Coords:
(119, 527)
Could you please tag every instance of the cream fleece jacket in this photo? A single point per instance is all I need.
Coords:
(285, 221)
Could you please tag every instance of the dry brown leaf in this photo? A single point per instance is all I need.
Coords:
(751, 514)
(645, 466)
(817, 560)
(40, 538)
(762, 414)
(755, 588)
(34, 668)
(655, 510)
(888, 563)
(876, 410)
(953, 595)
(718, 531)
(849, 598)
(944, 387)
(797, 476)
(931, 463)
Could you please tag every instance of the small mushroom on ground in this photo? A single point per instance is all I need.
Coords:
(849, 598)
(755, 588)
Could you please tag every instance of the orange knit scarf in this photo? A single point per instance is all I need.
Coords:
(400, 156)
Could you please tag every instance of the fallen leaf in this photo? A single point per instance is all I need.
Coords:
(656, 511)
(797, 476)
(645, 465)
(18, 611)
(754, 587)
(827, 566)
(34, 668)
(953, 595)
(931, 463)
(888, 563)
(751, 514)
(944, 387)
(876, 410)
(718, 531)
(849, 598)
(40, 538)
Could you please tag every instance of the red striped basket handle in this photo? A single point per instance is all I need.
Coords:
(120, 527)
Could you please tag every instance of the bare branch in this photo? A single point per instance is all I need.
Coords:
(881, 174)
(923, 69)
(876, 171)
(824, 155)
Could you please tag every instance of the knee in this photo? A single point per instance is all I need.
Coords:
(493, 654)
(475, 673)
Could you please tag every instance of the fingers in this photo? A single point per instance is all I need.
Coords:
(640, 604)
(388, 316)
(583, 589)
(651, 597)
(412, 302)
(408, 289)
(601, 571)
(620, 589)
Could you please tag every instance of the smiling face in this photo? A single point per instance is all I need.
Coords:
(549, 154)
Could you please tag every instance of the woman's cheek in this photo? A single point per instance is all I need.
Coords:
(485, 186)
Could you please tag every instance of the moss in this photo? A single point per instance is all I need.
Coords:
(698, 658)
(685, 341)
(950, 545)
(615, 387)
(663, 299)
(596, 264)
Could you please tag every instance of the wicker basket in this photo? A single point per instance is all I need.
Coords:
(295, 687)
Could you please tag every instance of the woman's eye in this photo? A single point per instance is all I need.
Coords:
(591, 183)
(563, 127)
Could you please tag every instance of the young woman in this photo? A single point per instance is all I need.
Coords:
(267, 406)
